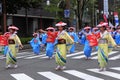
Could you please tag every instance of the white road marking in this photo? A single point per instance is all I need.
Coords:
(21, 76)
(73, 54)
(82, 75)
(107, 73)
(32, 57)
(52, 76)
(116, 68)
(115, 57)
(113, 52)
(82, 56)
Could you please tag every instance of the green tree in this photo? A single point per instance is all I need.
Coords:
(57, 7)
(13, 5)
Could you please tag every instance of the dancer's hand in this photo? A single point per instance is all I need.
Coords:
(21, 46)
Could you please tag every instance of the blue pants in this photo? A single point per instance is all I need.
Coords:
(72, 50)
(36, 49)
(5, 50)
(87, 49)
(49, 49)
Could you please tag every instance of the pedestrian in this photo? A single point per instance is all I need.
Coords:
(64, 42)
(87, 48)
(105, 42)
(35, 43)
(75, 38)
(51, 36)
(13, 44)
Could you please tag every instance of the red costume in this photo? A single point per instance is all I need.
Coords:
(51, 36)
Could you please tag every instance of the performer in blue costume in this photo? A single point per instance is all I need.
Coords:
(35, 43)
(75, 38)
(44, 38)
(117, 37)
(113, 32)
(87, 47)
(82, 37)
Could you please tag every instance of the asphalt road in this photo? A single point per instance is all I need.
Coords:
(38, 67)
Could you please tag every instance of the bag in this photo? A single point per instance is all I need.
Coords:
(92, 38)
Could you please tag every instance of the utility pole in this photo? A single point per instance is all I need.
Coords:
(4, 15)
(68, 12)
(78, 8)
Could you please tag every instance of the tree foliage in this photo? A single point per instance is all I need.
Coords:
(13, 5)
(57, 7)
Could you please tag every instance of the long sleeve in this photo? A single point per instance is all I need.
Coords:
(18, 40)
(68, 38)
(111, 40)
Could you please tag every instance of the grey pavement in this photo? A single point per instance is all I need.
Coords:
(38, 67)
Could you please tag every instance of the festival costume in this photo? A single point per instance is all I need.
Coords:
(75, 38)
(64, 44)
(105, 43)
(44, 37)
(12, 49)
(51, 36)
(35, 43)
(87, 48)
(117, 38)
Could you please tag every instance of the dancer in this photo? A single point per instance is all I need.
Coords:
(35, 43)
(64, 43)
(105, 42)
(44, 38)
(87, 47)
(75, 38)
(51, 36)
(13, 44)
(117, 37)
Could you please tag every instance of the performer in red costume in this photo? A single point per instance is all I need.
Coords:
(51, 36)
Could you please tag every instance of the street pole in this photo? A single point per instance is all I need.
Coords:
(26, 17)
(68, 8)
(78, 6)
(4, 15)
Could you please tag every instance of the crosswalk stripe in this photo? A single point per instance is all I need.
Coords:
(2, 57)
(44, 57)
(116, 68)
(32, 57)
(82, 56)
(25, 56)
(69, 55)
(20, 53)
(107, 73)
(52, 76)
(21, 76)
(115, 57)
(82, 75)
(113, 52)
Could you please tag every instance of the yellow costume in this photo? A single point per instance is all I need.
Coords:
(13, 47)
(64, 44)
(105, 44)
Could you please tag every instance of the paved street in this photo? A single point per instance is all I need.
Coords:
(38, 67)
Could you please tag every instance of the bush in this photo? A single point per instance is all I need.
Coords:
(25, 40)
